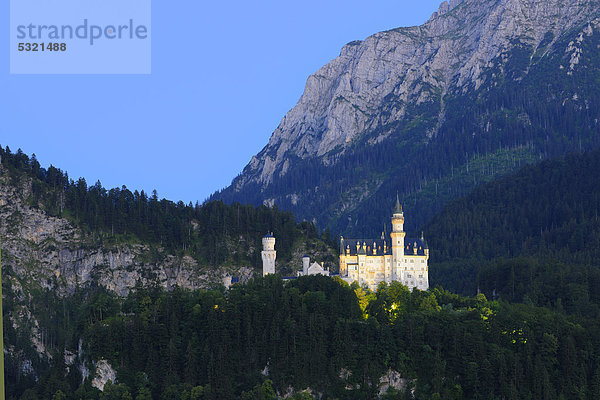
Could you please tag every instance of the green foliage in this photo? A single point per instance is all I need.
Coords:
(312, 332)
(115, 392)
(263, 391)
(59, 395)
(213, 233)
(301, 396)
(86, 391)
(29, 394)
(533, 236)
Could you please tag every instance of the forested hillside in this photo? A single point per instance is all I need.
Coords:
(270, 338)
(67, 245)
(317, 336)
(532, 236)
(212, 233)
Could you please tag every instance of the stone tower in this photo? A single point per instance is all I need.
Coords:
(268, 254)
(397, 236)
(305, 264)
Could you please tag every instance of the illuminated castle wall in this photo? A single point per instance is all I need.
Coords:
(371, 261)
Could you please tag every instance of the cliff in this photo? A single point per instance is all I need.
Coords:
(404, 89)
(52, 253)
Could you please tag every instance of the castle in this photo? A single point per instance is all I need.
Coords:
(370, 262)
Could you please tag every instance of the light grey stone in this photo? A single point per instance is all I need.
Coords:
(350, 96)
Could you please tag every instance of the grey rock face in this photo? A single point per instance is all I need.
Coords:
(44, 252)
(50, 253)
(404, 67)
(104, 373)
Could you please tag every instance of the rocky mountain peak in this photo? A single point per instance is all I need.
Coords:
(373, 83)
(402, 109)
(445, 7)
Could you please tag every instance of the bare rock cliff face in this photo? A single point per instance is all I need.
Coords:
(374, 82)
(41, 253)
(46, 252)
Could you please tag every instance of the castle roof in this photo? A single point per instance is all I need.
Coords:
(398, 208)
(365, 246)
(411, 243)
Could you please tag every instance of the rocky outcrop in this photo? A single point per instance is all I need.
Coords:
(377, 82)
(104, 373)
(41, 252)
(392, 379)
(51, 253)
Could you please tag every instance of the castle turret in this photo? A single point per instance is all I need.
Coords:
(305, 264)
(268, 254)
(397, 236)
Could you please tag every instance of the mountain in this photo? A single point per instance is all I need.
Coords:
(480, 89)
(532, 236)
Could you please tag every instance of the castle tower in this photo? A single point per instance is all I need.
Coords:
(305, 264)
(397, 236)
(268, 254)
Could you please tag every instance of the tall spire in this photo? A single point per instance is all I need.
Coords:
(398, 208)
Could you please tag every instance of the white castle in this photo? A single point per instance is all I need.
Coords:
(370, 262)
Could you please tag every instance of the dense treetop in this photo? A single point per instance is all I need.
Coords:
(317, 333)
(531, 236)
(213, 233)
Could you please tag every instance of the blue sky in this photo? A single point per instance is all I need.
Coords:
(223, 76)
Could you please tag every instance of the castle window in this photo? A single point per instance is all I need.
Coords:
(412, 261)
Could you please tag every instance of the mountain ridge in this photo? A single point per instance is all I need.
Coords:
(401, 88)
(351, 57)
